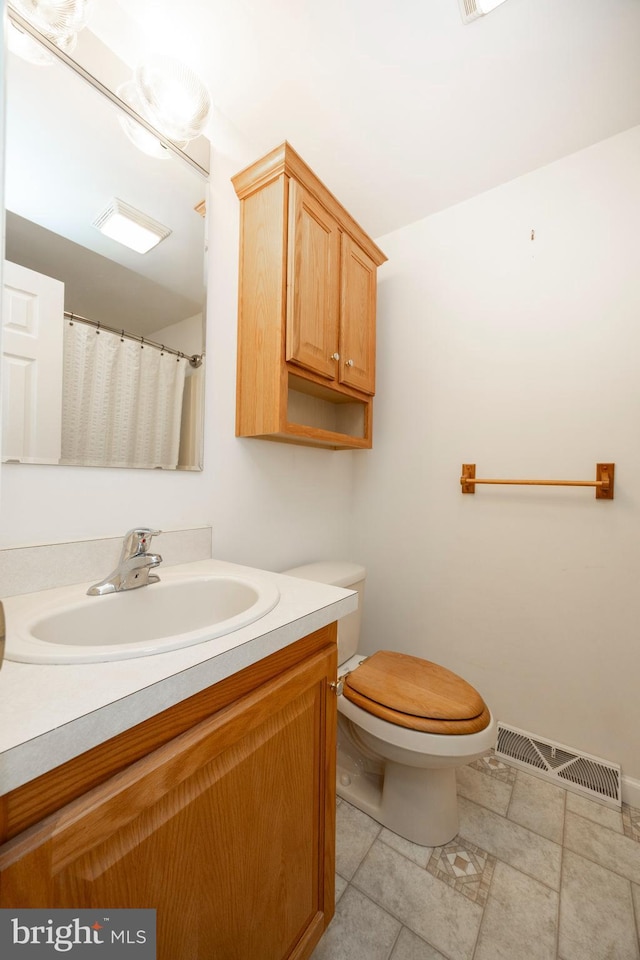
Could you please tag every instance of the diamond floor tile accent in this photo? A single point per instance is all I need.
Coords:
(465, 867)
(495, 768)
(631, 822)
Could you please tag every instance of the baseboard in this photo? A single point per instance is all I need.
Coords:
(631, 792)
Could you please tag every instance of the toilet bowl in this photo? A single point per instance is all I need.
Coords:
(404, 726)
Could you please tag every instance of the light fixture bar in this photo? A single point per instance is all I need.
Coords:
(123, 223)
(68, 61)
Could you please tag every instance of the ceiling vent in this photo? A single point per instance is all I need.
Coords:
(470, 10)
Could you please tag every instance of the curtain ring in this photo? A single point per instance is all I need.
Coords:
(122, 336)
(71, 318)
(162, 350)
(142, 343)
(98, 328)
(180, 356)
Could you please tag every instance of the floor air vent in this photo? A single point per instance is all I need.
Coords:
(574, 771)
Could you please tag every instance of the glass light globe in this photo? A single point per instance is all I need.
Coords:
(138, 135)
(25, 46)
(54, 17)
(174, 98)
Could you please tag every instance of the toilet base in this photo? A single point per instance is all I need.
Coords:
(418, 804)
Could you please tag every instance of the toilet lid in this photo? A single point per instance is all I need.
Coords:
(416, 693)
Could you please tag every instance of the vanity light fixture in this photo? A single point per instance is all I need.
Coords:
(472, 9)
(25, 47)
(122, 222)
(59, 21)
(171, 98)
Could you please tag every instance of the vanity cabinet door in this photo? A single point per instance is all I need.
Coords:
(228, 830)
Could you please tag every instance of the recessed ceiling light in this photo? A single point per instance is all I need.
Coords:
(131, 227)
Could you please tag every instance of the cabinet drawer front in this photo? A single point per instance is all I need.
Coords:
(313, 291)
(357, 318)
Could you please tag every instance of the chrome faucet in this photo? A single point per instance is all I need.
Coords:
(134, 566)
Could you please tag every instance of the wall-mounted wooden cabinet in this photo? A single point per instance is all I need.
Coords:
(307, 310)
(219, 813)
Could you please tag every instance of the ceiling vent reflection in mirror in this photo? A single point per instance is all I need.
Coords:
(129, 226)
(470, 10)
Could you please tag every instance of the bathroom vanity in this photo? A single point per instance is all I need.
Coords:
(218, 809)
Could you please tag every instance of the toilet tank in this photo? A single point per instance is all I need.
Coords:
(339, 573)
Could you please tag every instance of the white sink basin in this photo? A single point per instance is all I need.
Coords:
(181, 610)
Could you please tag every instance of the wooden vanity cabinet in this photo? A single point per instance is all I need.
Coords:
(227, 829)
(307, 310)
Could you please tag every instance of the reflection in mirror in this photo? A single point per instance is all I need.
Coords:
(118, 390)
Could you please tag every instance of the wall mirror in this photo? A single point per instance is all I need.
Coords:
(118, 390)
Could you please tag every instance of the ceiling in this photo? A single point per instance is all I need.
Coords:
(401, 108)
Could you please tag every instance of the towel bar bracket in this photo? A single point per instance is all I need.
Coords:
(468, 473)
(605, 473)
(604, 482)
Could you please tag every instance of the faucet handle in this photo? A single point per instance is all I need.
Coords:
(137, 541)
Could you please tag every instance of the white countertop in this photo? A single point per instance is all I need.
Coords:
(51, 713)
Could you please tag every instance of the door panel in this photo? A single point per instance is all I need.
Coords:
(313, 291)
(32, 329)
(357, 318)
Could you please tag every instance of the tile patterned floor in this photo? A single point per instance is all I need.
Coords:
(535, 873)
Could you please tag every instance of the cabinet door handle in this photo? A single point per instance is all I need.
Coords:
(349, 363)
(334, 356)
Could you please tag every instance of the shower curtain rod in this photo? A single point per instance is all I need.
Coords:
(195, 360)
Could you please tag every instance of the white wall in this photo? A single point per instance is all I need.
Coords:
(523, 357)
(185, 335)
(269, 504)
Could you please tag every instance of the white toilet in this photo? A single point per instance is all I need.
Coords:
(404, 725)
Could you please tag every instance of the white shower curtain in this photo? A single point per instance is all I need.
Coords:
(121, 403)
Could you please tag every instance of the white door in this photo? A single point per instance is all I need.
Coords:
(32, 328)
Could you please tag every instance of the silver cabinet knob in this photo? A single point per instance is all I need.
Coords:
(349, 363)
(334, 356)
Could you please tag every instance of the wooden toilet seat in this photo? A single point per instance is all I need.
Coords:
(417, 694)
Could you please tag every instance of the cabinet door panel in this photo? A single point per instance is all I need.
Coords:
(357, 318)
(313, 291)
(222, 831)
